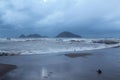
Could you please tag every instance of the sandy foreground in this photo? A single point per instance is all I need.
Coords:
(81, 66)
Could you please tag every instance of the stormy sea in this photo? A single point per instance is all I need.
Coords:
(59, 59)
(53, 45)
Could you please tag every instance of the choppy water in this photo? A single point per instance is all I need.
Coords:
(48, 45)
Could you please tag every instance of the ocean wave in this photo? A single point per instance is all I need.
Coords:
(50, 46)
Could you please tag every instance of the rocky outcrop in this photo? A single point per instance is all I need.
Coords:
(106, 41)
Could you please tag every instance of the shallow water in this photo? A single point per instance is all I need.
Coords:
(60, 67)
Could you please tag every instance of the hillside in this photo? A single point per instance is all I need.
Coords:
(66, 34)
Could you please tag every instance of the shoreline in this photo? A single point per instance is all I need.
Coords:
(54, 46)
(7, 53)
(60, 67)
(4, 53)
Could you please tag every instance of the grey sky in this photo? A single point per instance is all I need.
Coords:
(49, 17)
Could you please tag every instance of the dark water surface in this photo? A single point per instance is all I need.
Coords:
(60, 67)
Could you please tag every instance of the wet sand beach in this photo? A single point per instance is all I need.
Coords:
(81, 66)
(5, 68)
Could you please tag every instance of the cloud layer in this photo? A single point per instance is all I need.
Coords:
(49, 17)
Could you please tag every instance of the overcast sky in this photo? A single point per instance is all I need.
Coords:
(49, 17)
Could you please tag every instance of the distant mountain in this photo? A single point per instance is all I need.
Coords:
(30, 36)
(33, 36)
(22, 36)
(66, 34)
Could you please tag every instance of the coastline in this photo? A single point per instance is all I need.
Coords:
(61, 67)
(7, 53)
(53, 45)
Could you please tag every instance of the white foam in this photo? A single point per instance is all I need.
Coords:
(50, 45)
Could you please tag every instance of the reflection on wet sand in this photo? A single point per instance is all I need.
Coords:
(103, 65)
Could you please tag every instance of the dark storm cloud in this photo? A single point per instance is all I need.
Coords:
(49, 17)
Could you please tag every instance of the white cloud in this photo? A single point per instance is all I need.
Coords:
(14, 17)
(56, 17)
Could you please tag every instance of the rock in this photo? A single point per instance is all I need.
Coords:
(8, 54)
(99, 71)
(106, 41)
(5, 68)
(74, 55)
